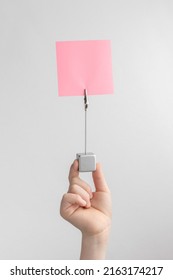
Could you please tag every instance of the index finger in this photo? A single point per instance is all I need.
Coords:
(74, 170)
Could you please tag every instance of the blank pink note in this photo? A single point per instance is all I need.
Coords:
(84, 65)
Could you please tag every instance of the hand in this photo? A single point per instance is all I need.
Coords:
(88, 211)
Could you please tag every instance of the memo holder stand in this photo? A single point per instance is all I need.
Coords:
(84, 68)
(87, 161)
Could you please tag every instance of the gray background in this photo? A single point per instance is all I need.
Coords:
(131, 132)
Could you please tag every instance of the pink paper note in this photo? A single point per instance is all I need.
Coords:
(84, 65)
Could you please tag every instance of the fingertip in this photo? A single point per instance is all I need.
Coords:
(84, 203)
(75, 165)
(91, 195)
(87, 205)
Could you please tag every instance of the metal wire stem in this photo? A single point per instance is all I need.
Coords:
(85, 131)
(86, 108)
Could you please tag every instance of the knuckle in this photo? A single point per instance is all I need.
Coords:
(73, 188)
(64, 196)
(74, 180)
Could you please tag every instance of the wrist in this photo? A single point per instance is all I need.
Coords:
(94, 246)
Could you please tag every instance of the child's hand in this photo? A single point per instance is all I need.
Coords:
(88, 211)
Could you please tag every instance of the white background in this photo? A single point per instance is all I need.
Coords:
(131, 132)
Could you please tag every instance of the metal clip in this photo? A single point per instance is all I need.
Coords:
(86, 102)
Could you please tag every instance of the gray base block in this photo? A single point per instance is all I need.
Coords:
(87, 162)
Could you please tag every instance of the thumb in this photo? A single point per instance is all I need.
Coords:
(74, 170)
(99, 179)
